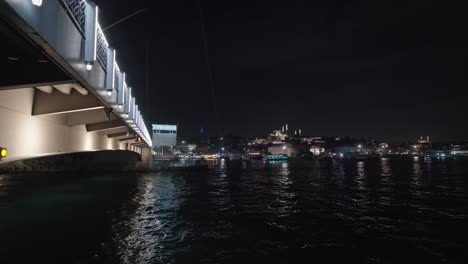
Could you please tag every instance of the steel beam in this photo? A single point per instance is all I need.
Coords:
(128, 139)
(104, 125)
(120, 134)
(59, 103)
(31, 85)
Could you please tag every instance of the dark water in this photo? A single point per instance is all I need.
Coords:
(382, 211)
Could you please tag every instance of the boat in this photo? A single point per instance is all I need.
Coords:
(275, 157)
(235, 156)
(210, 157)
(255, 156)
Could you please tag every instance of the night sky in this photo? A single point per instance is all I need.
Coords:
(391, 70)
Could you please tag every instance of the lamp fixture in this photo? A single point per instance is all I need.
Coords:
(3, 152)
(37, 2)
(107, 112)
(89, 65)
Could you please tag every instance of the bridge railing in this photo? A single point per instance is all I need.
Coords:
(76, 10)
(116, 77)
(101, 47)
(98, 49)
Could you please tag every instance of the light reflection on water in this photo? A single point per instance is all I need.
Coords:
(386, 167)
(323, 211)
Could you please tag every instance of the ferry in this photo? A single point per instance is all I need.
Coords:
(275, 157)
(210, 157)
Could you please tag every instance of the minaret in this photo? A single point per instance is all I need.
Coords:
(295, 132)
(300, 132)
(282, 129)
(286, 127)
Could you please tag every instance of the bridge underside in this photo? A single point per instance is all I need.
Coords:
(23, 63)
(44, 111)
(104, 160)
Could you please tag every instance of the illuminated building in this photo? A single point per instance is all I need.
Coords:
(313, 140)
(278, 136)
(422, 140)
(316, 150)
(282, 149)
(164, 135)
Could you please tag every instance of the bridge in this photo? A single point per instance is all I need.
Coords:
(61, 88)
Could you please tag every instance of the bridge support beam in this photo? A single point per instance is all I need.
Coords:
(130, 138)
(104, 125)
(120, 134)
(29, 85)
(27, 136)
(60, 103)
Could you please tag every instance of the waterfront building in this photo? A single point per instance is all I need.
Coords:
(422, 140)
(278, 136)
(316, 150)
(164, 135)
(383, 145)
(282, 149)
(345, 150)
(260, 141)
(459, 150)
(422, 146)
(313, 140)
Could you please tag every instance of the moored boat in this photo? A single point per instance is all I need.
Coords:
(275, 157)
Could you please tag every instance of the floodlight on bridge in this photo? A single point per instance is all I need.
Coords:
(89, 65)
(37, 2)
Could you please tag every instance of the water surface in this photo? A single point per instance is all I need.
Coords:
(375, 211)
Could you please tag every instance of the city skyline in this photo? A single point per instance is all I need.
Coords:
(336, 68)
